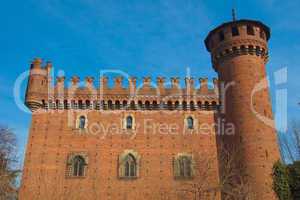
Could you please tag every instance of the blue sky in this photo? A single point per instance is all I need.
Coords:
(140, 37)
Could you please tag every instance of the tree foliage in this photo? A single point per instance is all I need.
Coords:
(294, 179)
(281, 181)
(8, 174)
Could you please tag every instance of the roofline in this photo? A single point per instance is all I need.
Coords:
(265, 27)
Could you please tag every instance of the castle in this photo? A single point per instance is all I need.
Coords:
(154, 142)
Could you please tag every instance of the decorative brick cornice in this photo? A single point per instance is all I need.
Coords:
(237, 49)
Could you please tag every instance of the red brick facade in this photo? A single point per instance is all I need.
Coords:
(167, 125)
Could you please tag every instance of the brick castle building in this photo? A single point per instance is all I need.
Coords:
(154, 141)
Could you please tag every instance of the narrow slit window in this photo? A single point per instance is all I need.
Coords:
(250, 30)
(66, 104)
(235, 31)
(129, 122)
(221, 36)
(82, 122)
(262, 34)
(190, 123)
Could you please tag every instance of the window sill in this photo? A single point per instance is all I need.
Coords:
(128, 178)
(182, 178)
(80, 130)
(75, 177)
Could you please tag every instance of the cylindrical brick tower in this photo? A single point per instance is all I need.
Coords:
(38, 83)
(239, 52)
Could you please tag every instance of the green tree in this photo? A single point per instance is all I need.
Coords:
(294, 179)
(281, 181)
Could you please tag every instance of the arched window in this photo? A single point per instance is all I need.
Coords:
(214, 105)
(73, 104)
(185, 166)
(184, 105)
(190, 123)
(170, 105)
(192, 105)
(57, 104)
(130, 166)
(88, 104)
(117, 104)
(147, 105)
(66, 105)
(103, 105)
(206, 104)
(110, 104)
(176, 104)
(82, 122)
(199, 104)
(124, 104)
(43, 103)
(132, 105)
(154, 105)
(129, 122)
(78, 166)
(140, 105)
(80, 104)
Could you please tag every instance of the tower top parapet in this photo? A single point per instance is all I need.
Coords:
(241, 37)
(237, 23)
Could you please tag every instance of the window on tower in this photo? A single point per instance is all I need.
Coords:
(262, 34)
(221, 36)
(250, 30)
(235, 31)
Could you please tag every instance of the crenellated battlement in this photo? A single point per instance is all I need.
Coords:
(174, 83)
(237, 38)
(156, 93)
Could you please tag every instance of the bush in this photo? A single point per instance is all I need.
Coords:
(281, 181)
(294, 179)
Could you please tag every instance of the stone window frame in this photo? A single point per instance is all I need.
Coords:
(176, 166)
(195, 122)
(121, 164)
(124, 124)
(79, 115)
(69, 164)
